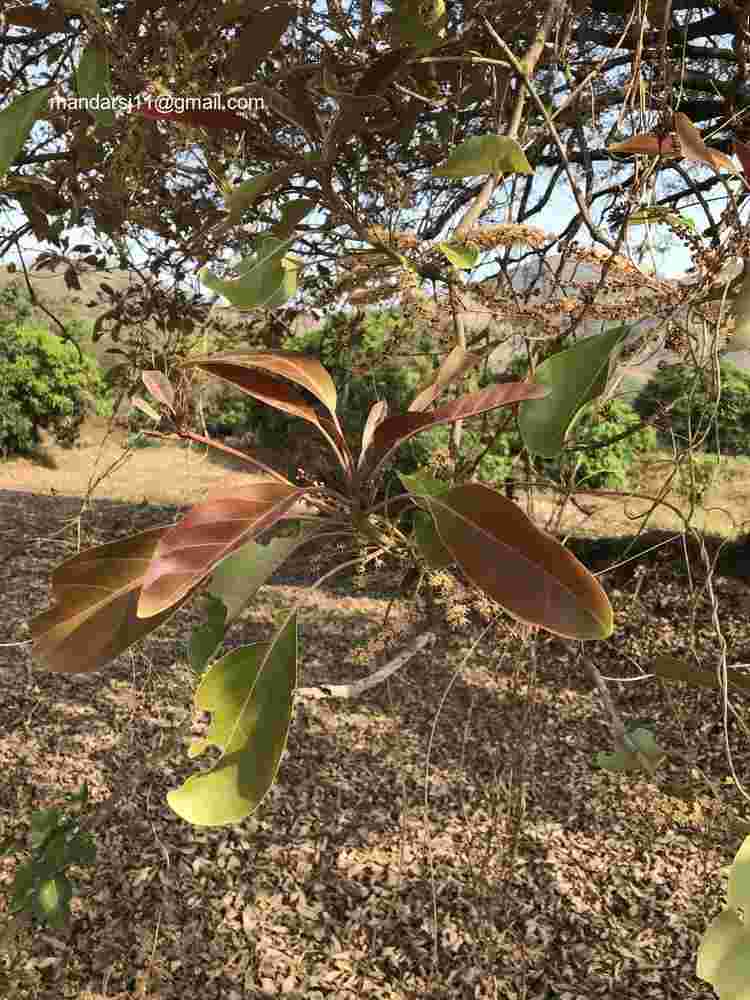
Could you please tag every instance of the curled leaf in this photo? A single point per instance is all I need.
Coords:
(249, 693)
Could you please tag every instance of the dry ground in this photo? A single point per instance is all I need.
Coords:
(444, 836)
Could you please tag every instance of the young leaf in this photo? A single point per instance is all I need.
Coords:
(258, 374)
(485, 154)
(574, 377)
(456, 364)
(393, 431)
(93, 81)
(210, 531)
(160, 388)
(207, 638)
(96, 596)
(267, 279)
(250, 693)
(522, 568)
(461, 255)
(16, 122)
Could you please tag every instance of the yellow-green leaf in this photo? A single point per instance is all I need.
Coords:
(250, 694)
(485, 154)
(266, 280)
(461, 255)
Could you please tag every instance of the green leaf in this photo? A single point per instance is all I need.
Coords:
(643, 741)
(206, 638)
(250, 693)
(435, 554)
(267, 279)
(42, 824)
(16, 122)
(94, 84)
(574, 377)
(485, 154)
(244, 195)
(619, 761)
(415, 25)
(237, 579)
(52, 902)
(461, 255)
(422, 484)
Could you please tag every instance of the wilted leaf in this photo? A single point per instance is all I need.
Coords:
(671, 669)
(694, 148)
(250, 693)
(522, 568)
(461, 255)
(16, 122)
(376, 416)
(456, 364)
(93, 81)
(160, 387)
(647, 144)
(210, 531)
(574, 378)
(393, 431)
(266, 280)
(96, 597)
(145, 407)
(485, 154)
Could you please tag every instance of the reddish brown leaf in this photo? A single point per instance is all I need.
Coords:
(96, 595)
(247, 371)
(198, 119)
(457, 363)
(743, 155)
(160, 388)
(258, 39)
(522, 568)
(188, 552)
(43, 19)
(396, 429)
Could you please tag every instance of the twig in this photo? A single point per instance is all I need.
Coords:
(355, 688)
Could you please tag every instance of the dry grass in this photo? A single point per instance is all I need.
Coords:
(444, 836)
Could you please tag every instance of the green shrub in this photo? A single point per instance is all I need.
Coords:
(43, 383)
(694, 412)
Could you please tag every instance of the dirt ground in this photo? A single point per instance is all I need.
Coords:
(444, 836)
